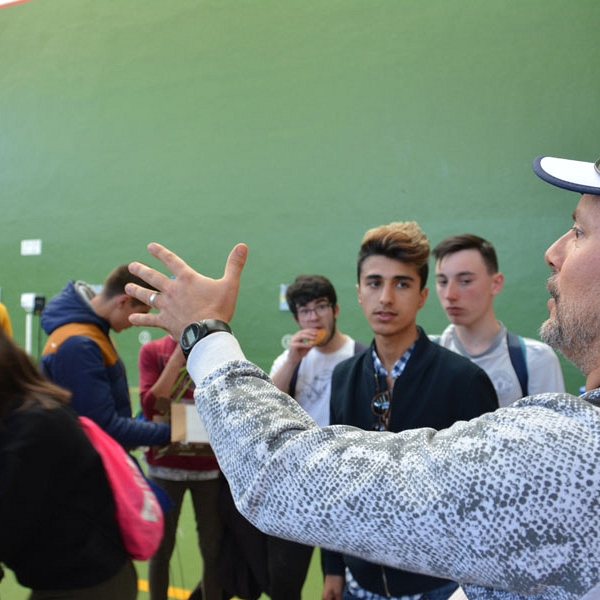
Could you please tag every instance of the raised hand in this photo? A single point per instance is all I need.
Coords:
(190, 296)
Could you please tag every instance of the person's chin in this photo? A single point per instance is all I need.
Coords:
(455, 319)
(384, 329)
(549, 332)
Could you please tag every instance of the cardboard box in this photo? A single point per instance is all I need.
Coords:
(188, 435)
(186, 425)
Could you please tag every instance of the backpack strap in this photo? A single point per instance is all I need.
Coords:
(294, 379)
(358, 347)
(516, 352)
(89, 330)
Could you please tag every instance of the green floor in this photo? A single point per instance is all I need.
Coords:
(185, 567)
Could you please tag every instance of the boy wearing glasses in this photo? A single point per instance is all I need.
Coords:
(403, 381)
(304, 372)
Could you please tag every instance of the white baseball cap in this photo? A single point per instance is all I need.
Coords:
(574, 175)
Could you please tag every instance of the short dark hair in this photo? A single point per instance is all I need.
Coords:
(306, 288)
(402, 241)
(114, 284)
(468, 241)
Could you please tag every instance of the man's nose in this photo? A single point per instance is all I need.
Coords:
(451, 291)
(554, 256)
(386, 295)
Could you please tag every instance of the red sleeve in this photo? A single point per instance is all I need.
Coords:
(151, 362)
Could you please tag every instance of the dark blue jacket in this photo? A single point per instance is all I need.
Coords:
(80, 356)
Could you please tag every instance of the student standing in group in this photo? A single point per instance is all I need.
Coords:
(304, 371)
(164, 379)
(403, 381)
(58, 531)
(81, 356)
(467, 282)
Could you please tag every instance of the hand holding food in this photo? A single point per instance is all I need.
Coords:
(320, 336)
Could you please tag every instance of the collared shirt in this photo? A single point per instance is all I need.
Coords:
(398, 367)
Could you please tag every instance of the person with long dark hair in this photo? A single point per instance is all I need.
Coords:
(58, 533)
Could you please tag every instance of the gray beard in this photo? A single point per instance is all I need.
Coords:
(572, 339)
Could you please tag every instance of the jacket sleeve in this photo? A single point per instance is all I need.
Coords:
(333, 562)
(78, 366)
(342, 386)
(149, 371)
(453, 503)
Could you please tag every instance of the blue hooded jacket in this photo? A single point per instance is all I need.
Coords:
(80, 356)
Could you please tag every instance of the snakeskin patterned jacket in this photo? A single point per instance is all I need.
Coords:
(507, 504)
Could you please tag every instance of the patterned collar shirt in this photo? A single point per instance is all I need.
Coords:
(398, 367)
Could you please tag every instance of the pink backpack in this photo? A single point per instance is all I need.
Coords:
(138, 512)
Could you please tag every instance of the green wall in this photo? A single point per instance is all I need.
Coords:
(292, 125)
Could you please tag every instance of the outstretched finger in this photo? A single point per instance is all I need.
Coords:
(174, 263)
(147, 320)
(140, 293)
(151, 276)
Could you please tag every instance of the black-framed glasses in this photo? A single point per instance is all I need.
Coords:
(320, 309)
(381, 405)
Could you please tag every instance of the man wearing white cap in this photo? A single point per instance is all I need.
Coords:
(508, 504)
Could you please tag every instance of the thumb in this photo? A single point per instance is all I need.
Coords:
(235, 263)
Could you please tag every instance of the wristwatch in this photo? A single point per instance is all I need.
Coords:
(197, 330)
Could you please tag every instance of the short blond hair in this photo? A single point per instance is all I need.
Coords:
(403, 241)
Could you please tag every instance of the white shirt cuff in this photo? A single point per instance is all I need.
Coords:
(211, 353)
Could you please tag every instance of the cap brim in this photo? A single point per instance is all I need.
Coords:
(573, 175)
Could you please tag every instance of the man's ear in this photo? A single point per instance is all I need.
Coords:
(497, 283)
(122, 300)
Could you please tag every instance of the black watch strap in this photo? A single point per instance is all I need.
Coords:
(198, 330)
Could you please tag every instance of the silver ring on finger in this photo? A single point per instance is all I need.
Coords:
(152, 298)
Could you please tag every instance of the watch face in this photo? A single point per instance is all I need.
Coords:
(194, 332)
(190, 334)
